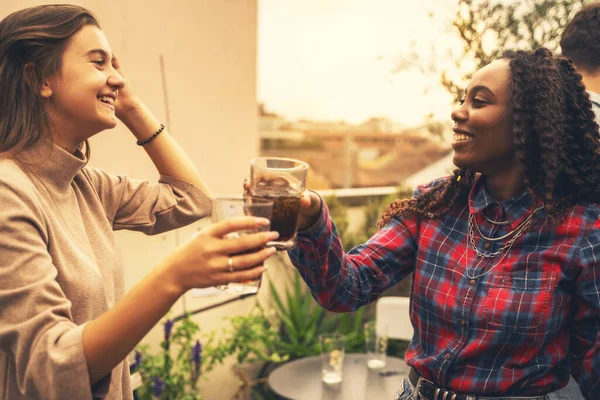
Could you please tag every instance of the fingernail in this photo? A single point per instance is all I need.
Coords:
(263, 269)
(262, 221)
(272, 235)
(271, 251)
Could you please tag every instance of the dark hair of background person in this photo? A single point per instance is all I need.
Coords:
(580, 40)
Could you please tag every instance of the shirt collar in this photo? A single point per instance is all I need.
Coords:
(514, 209)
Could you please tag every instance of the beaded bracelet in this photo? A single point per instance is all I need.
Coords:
(151, 138)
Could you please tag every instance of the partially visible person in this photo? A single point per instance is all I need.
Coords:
(66, 326)
(580, 42)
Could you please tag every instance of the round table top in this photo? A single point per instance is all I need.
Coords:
(301, 379)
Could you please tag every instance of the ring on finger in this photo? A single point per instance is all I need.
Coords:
(230, 264)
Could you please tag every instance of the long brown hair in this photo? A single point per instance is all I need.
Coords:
(32, 42)
(558, 143)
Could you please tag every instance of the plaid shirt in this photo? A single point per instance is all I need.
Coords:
(516, 330)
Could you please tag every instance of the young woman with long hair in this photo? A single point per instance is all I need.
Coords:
(66, 325)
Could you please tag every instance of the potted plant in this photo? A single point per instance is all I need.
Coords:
(172, 373)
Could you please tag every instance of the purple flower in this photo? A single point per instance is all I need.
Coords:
(158, 386)
(196, 359)
(138, 360)
(167, 327)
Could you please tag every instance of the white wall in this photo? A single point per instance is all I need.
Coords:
(209, 50)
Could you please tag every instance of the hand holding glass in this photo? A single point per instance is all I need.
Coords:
(230, 207)
(281, 180)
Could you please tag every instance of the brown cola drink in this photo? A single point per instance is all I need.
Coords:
(225, 208)
(285, 217)
(286, 207)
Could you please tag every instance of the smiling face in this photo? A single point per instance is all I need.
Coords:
(81, 94)
(484, 140)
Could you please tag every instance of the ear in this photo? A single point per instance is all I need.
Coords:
(46, 90)
(30, 77)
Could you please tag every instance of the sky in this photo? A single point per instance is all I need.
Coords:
(334, 59)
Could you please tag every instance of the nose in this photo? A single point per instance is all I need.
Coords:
(459, 114)
(115, 80)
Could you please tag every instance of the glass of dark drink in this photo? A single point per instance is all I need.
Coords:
(281, 180)
(231, 207)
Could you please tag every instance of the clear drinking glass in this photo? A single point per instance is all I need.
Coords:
(282, 180)
(332, 347)
(231, 207)
(376, 341)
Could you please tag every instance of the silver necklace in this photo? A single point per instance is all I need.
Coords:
(490, 239)
(501, 223)
(504, 250)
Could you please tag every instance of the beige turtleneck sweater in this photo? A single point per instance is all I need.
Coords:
(60, 268)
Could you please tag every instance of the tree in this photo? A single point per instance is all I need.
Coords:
(486, 28)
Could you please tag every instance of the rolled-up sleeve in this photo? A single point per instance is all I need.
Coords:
(37, 331)
(148, 207)
(343, 282)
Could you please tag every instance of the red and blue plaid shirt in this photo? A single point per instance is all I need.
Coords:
(518, 329)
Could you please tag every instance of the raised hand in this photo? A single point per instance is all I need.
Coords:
(127, 101)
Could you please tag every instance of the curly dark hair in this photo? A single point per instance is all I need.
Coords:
(580, 40)
(557, 138)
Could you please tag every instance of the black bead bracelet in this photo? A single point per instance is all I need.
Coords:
(151, 138)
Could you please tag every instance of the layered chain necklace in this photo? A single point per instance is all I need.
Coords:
(503, 250)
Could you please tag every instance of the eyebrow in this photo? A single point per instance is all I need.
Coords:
(101, 52)
(480, 88)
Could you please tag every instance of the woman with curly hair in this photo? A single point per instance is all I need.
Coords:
(505, 299)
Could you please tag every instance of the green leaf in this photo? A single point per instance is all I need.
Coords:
(275, 294)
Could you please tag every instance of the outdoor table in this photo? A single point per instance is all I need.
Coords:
(301, 379)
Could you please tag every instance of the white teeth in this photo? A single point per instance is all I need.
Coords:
(461, 136)
(106, 99)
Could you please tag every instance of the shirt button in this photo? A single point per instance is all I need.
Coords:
(447, 356)
(486, 245)
(463, 322)
(472, 282)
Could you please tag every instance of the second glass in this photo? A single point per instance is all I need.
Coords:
(332, 348)
(282, 180)
(230, 207)
(376, 341)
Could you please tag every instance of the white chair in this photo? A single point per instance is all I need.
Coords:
(392, 314)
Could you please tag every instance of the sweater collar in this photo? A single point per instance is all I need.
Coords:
(52, 164)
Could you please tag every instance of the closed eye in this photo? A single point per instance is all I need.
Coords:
(99, 62)
(479, 103)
